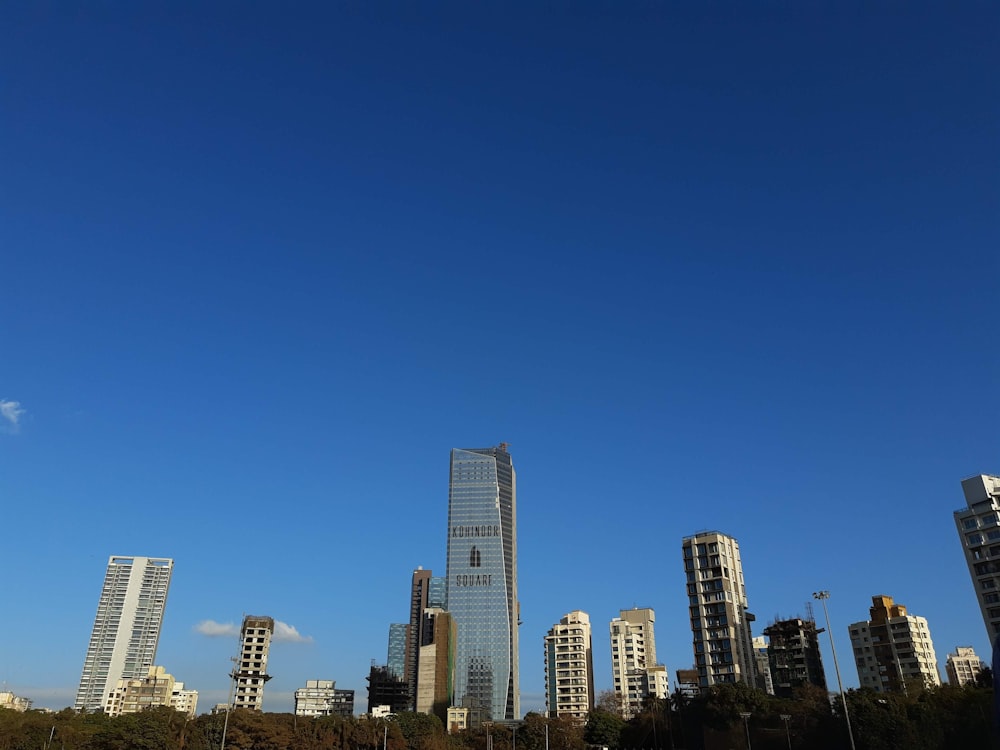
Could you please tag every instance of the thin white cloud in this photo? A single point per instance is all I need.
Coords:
(11, 411)
(214, 629)
(282, 631)
(285, 632)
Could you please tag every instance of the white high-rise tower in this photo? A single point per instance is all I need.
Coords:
(127, 627)
(979, 529)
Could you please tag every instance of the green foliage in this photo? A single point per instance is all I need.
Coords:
(726, 702)
(531, 733)
(421, 731)
(937, 718)
(604, 729)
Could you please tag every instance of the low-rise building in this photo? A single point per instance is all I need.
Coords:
(322, 698)
(185, 701)
(14, 702)
(157, 688)
(963, 666)
(458, 719)
(687, 683)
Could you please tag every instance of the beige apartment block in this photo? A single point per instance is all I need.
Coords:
(963, 667)
(569, 668)
(893, 648)
(717, 606)
(157, 688)
(458, 719)
(633, 660)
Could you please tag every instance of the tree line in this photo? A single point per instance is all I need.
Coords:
(726, 717)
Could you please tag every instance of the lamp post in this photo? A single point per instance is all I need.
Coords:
(746, 725)
(786, 718)
(229, 706)
(823, 596)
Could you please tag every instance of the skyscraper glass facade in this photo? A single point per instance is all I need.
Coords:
(396, 660)
(482, 580)
(437, 595)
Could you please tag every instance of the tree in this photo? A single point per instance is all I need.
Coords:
(603, 728)
(727, 701)
(153, 729)
(611, 702)
(421, 731)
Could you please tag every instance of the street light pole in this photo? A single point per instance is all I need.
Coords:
(786, 718)
(229, 706)
(823, 596)
(746, 725)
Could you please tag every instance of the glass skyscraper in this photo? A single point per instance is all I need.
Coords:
(482, 580)
(396, 660)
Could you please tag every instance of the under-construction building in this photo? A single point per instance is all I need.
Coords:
(386, 688)
(250, 672)
(793, 655)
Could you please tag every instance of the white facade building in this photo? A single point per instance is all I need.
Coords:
(978, 527)
(322, 698)
(637, 675)
(717, 605)
(185, 701)
(963, 667)
(126, 628)
(893, 648)
(569, 668)
(14, 702)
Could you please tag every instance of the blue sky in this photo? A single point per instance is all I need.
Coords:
(717, 267)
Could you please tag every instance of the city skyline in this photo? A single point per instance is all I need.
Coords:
(126, 588)
(702, 267)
